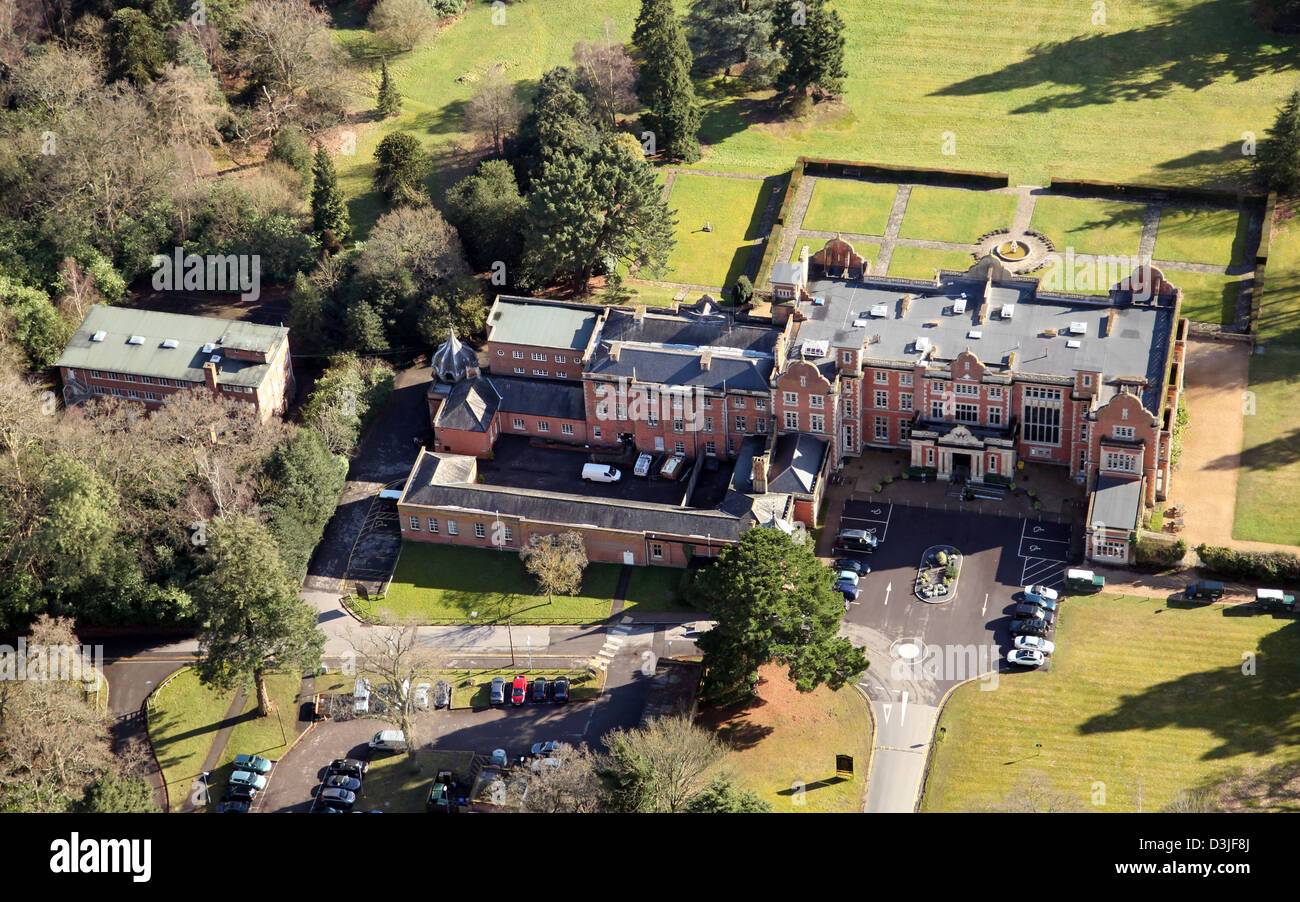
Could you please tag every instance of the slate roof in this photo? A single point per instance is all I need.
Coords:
(429, 486)
(183, 362)
(1117, 502)
(682, 367)
(786, 273)
(796, 462)
(689, 330)
(472, 403)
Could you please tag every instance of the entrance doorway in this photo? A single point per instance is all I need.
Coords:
(961, 468)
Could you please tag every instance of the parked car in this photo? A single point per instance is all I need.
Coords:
(388, 741)
(673, 466)
(560, 690)
(343, 781)
(1026, 657)
(442, 694)
(1032, 611)
(848, 563)
(248, 778)
(255, 763)
(847, 576)
(497, 694)
(600, 473)
(519, 690)
(336, 797)
(234, 806)
(1274, 600)
(1084, 581)
(642, 467)
(1043, 604)
(539, 690)
(1035, 643)
(1033, 627)
(1041, 592)
(862, 540)
(421, 696)
(848, 590)
(351, 767)
(240, 793)
(1206, 588)
(548, 748)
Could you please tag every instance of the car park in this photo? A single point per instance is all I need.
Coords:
(442, 694)
(343, 781)
(1026, 657)
(248, 778)
(519, 690)
(1032, 611)
(497, 692)
(335, 797)
(1084, 581)
(642, 467)
(861, 540)
(1035, 643)
(548, 748)
(560, 690)
(1206, 588)
(351, 767)
(255, 763)
(539, 690)
(1034, 627)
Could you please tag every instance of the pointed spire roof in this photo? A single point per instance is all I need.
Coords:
(452, 359)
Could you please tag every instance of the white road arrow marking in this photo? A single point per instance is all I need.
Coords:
(889, 588)
(902, 710)
(984, 610)
(887, 709)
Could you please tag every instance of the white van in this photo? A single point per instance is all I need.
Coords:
(600, 473)
(389, 741)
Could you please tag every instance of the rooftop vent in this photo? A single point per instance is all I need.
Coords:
(959, 305)
(170, 343)
(215, 358)
(815, 348)
(135, 340)
(974, 333)
(922, 345)
(99, 336)
(208, 348)
(859, 323)
(1073, 344)
(1078, 328)
(1008, 311)
(880, 310)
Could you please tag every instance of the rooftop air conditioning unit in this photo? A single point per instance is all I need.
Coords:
(974, 333)
(880, 310)
(208, 348)
(215, 358)
(1073, 344)
(135, 340)
(959, 305)
(170, 343)
(99, 336)
(1078, 328)
(1008, 311)
(922, 345)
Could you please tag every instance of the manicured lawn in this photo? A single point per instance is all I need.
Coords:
(1207, 297)
(847, 205)
(790, 737)
(921, 262)
(955, 214)
(734, 208)
(1268, 480)
(654, 589)
(391, 787)
(1111, 713)
(658, 295)
(267, 736)
(184, 717)
(1217, 237)
(1098, 227)
(446, 582)
(473, 688)
(867, 249)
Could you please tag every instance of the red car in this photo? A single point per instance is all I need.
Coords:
(519, 691)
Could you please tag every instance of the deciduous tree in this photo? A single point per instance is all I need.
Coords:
(494, 110)
(556, 562)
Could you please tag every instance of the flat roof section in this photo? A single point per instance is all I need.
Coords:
(522, 321)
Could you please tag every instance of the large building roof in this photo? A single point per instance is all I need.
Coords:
(545, 324)
(440, 480)
(1135, 346)
(170, 345)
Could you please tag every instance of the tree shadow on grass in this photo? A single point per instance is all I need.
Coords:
(1274, 454)
(1189, 50)
(1249, 714)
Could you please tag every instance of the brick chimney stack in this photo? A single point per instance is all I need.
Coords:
(615, 349)
(210, 376)
(758, 475)
(706, 360)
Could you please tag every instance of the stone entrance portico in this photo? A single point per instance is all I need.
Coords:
(974, 452)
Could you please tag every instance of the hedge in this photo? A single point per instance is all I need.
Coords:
(1263, 566)
(1155, 550)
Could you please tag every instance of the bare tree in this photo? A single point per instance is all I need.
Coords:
(399, 661)
(573, 786)
(606, 75)
(298, 69)
(556, 562)
(186, 104)
(404, 23)
(659, 766)
(495, 109)
(1031, 795)
(54, 78)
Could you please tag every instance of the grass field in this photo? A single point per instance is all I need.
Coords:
(1207, 297)
(847, 205)
(1270, 453)
(654, 589)
(184, 717)
(1112, 716)
(921, 262)
(446, 582)
(1099, 227)
(790, 737)
(955, 214)
(1217, 237)
(391, 787)
(734, 208)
